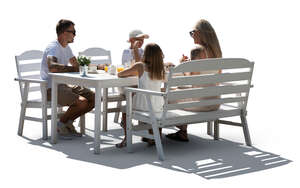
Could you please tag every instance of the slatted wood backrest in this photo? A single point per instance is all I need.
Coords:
(29, 66)
(235, 79)
(98, 55)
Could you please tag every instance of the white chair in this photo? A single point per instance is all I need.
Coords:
(28, 69)
(102, 56)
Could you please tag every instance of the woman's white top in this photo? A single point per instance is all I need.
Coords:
(140, 101)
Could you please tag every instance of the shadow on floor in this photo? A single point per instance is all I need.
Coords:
(201, 156)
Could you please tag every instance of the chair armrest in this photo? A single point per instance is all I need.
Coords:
(31, 80)
(144, 91)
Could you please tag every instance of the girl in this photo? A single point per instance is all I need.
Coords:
(151, 74)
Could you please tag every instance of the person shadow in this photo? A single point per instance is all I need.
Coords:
(202, 156)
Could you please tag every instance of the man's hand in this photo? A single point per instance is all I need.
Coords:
(54, 66)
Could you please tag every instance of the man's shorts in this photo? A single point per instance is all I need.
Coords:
(68, 94)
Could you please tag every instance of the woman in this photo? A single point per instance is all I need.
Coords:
(204, 35)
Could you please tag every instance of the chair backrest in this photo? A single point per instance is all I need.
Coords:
(235, 78)
(28, 66)
(97, 55)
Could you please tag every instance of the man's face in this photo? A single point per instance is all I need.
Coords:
(70, 34)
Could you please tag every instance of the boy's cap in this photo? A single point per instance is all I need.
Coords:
(137, 34)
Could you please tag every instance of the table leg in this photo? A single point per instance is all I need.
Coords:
(54, 113)
(97, 120)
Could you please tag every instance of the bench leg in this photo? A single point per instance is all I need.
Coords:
(209, 128)
(216, 130)
(245, 129)
(158, 144)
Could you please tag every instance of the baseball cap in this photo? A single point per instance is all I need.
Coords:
(137, 34)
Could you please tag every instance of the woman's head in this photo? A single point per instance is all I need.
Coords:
(204, 34)
(153, 58)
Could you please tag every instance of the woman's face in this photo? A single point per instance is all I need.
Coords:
(196, 37)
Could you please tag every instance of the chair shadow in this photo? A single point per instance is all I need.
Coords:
(205, 157)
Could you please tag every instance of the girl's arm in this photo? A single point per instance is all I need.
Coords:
(134, 70)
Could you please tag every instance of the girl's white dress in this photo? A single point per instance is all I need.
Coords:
(140, 101)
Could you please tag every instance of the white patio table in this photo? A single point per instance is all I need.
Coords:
(98, 81)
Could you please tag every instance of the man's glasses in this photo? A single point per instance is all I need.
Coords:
(192, 33)
(73, 32)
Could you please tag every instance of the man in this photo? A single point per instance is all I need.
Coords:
(135, 52)
(57, 57)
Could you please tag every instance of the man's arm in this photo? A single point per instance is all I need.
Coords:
(54, 66)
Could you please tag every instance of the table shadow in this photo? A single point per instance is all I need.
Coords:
(204, 157)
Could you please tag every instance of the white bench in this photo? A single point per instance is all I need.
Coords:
(233, 86)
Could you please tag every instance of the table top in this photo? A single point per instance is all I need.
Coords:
(93, 79)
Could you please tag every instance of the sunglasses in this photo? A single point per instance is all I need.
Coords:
(73, 32)
(192, 33)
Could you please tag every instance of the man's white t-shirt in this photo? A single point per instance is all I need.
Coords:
(62, 54)
(128, 55)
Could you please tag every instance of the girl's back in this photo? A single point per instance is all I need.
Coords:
(140, 101)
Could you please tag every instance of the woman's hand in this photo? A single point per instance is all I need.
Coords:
(184, 58)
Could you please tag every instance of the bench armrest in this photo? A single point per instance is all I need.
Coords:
(144, 91)
(40, 81)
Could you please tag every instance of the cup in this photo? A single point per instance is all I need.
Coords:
(92, 68)
(112, 69)
(127, 64)
(106, 68)
(120, 68)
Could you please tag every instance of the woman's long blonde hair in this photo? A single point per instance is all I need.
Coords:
(209, 38)
(153, 59)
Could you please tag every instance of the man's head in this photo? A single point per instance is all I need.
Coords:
(137, 35)
(65, 29)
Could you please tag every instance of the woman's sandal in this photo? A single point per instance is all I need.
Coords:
(178, 136)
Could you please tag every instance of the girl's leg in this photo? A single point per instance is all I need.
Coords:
(123, 125)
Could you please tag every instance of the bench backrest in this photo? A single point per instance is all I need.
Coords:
(28, 66)
(97, 55)
(232, 84)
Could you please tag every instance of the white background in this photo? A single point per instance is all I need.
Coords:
(266, 32)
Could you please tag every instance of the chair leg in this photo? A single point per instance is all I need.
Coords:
(245, 129)
(21, 120)
(104, 121)
(216, 130)
(117, 114)
(82, 124)
(23, 109)
(209, 128)
(44, 112)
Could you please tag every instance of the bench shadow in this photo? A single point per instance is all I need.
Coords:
(204, 157)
